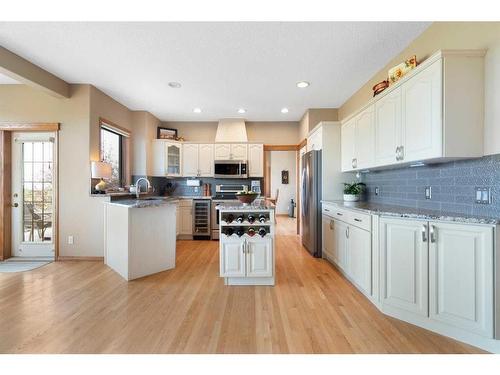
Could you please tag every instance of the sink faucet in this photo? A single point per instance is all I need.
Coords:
(138, 186)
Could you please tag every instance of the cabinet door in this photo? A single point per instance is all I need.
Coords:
(159, 167)
(348, 137)
(365, 138)
(222, 151)
(404, 255)
(256, 160)
(239, 151)
(340, 244)
(190, 160)
(328, 238)
(259, 260)
(173, 157)
(359, 253)
(388, 128)
(315, 140)
(186, 220)
(461, 276)
(422, 115)
(206, 160)
(232, 258)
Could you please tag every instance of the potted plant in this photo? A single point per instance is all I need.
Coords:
(352, 191)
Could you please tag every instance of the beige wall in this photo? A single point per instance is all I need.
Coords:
(451, 35)
(145, 125)
(280, 161)
(279, 133)
(313, 117)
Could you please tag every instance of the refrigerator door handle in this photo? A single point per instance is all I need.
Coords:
(304, 195)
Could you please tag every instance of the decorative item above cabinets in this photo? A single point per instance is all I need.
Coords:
(426, 116)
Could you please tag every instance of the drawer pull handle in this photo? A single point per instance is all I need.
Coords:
(338, 213)
(327, 210)
(358, 220)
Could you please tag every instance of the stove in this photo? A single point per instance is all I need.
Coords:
(223, 193)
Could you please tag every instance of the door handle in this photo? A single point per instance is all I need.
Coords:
(433, 234)
(15, 205)
(424, 233)
(347, 232)
(397, 153)
(331, 224)
(401, 152)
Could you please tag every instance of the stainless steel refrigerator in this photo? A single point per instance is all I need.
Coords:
(310, 212)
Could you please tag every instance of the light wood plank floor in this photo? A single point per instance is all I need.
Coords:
(84, 307)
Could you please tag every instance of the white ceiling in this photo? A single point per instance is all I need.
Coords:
(221, 66)
(6, 80)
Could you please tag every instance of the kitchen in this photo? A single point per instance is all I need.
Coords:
(401, 260)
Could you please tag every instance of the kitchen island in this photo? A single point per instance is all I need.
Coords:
(140, 236)
(246, 243)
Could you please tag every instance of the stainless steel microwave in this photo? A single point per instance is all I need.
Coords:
(230, 169)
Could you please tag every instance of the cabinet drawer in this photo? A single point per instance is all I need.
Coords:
(360, 220)
(335, 212)
(186, 203)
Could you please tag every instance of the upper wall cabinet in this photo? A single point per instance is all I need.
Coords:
(167, 158)
(231, 151)
(428, 116)
(255, 160)
(198, 160)
(315, 139)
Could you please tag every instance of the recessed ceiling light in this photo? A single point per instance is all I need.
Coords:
(174, 85)
(242, 110)
(197, 110)
(284, 110)
(302, 84)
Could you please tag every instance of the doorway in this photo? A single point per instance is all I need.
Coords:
(33, 198)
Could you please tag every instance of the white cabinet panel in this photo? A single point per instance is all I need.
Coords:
(348, 140)
(239, 151)
(388, 128)
(259, 257)
(206, 160)
(328, 237)
(461, 276)
(256, 160)
(315, 140)
(365, 138)
(340, 244)
(422, 115)
(159, 167)
(359, 253)
(190, 160)
(222, 151)
(404, 256)
(232, 258)
(186, 220)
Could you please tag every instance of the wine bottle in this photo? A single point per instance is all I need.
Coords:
(240, 218)
(251, 218)
(229, 231)
(229, 218)
(240, 231)
(262, 218)
(251, 232)
(262, 231)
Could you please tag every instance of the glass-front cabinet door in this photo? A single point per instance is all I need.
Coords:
(173, 159)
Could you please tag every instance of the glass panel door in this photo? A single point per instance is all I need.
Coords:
(173, 160)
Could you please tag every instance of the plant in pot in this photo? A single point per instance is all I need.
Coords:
(353, 191)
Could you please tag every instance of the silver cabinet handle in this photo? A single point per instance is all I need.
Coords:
(401, 152)
(358, 220)
(347, 232)
(339, 214)
(397, 153)
(327, 210)
(352, 163)
(355, 162)
(424, 233)
(331, 224)
(433, 234)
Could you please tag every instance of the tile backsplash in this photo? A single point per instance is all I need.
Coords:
(180, 188)
(453, 186)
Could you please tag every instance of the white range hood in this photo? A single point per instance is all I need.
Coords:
(231, 130)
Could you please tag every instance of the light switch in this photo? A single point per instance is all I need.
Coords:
(428, 192)
(376, 190)
(483, 195)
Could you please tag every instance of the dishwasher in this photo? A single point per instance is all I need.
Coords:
(201, 219)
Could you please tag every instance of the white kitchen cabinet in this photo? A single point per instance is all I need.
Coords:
(348, 144)
(364, 145)
(167, 158)
(328, 238)
(461, 276)
(340, 244)
(427, 116)
(232, 258)
(185, 218)
(388, 128)
(259, 257)
(422, 115)
(255, 160)
(231, 151)
(404, 256)
(198, 160)
(359, 258)
(315, 139)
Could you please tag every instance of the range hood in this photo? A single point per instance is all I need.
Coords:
(231, 130)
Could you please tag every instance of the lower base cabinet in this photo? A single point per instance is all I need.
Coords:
(438, 271)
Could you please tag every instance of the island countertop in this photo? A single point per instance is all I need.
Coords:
(257, 205)
(154, 201)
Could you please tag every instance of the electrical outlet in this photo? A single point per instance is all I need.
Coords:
(70, 240)
(483, 195)
(428, 192)
(377, 190)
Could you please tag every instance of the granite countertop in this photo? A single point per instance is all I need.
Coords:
(413, 213)
(258, 204)
(154, 201)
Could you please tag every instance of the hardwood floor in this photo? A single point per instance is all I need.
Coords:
(84, 307)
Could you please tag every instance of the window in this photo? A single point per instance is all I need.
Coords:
(111, 152)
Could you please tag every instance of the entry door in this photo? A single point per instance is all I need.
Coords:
(33, 177)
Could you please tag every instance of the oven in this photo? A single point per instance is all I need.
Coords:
(230, 169)
(223, 194)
